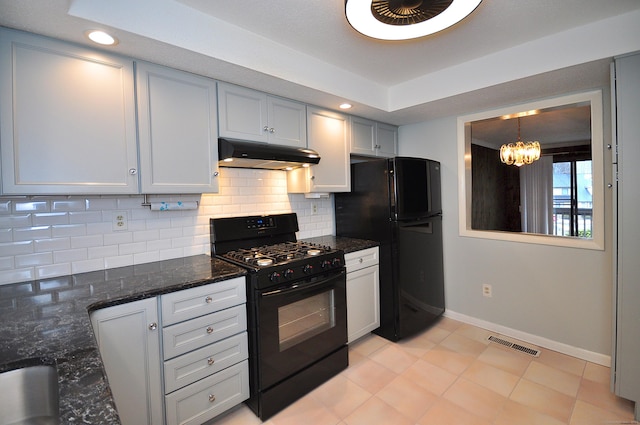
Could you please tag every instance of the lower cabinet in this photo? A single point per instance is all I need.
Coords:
(363, 294)
(192, 363)
(129, 340)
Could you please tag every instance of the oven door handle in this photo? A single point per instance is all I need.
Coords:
(301, 286)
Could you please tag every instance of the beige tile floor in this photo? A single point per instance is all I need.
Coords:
(451, 375)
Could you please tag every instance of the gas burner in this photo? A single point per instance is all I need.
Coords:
(314, 252)
(263, 262)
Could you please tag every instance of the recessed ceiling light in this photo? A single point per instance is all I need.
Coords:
(405, 19)
(345, 106)
(101, 37)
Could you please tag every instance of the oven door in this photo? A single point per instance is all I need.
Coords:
(300, 324)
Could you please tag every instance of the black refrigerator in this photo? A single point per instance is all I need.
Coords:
(397, 203)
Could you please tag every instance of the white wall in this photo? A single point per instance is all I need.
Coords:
(52, 236)
(559, 297)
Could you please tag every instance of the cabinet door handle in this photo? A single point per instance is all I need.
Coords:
(215, 174)
(153, 326)
(272, 130)
(208, 300)
(133, 171)
(210, 361)
(265, 128)
(210, 330)
(361, 260)
(212, 398)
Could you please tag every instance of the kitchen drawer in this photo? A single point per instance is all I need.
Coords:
(189, 303)
(207, 398)
(205, 361)
(196, 333)
(360, 259)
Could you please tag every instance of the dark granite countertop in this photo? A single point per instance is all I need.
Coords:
(47, 322)
(340, 242)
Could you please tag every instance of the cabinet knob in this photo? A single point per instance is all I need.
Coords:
(313, 177)
(212, 398)
(210, 330)
(361, 260)
(215, 174)
(208, 300)
(153, 326)
(133, 171)
(265, 128)
(272, 130)
(210, 361)
(609, 185)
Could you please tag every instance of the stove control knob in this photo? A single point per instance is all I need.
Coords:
(288, 273)
(274, 277)
(326, 264)
(336, 262)
(308, 269)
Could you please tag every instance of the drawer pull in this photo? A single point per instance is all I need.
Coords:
(212, 398)
(210, 361)
(361, 260)
(153, 326)
(208, 300)
(210, 330)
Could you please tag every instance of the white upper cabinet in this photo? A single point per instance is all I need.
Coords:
(178, 131)
(67, 118)
(372, 138)
(329, 135)
(247, 114)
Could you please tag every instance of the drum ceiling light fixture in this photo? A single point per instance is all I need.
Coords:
(405, 19)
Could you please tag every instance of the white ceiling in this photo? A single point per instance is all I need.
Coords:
(505, 52)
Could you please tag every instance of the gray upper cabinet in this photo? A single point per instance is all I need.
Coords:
(177, 124)
(247, 114)
(372, 138)
(67, 118)
(330, 136)
(626, 347)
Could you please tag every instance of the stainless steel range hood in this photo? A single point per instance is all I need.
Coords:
(241, 154)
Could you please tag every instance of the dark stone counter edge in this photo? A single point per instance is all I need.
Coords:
(346, 244)
(84, 393)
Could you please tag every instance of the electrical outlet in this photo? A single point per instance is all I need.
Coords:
(486, 290)
(120, 220)
(314, 209)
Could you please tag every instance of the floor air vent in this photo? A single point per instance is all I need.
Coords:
(514, 346)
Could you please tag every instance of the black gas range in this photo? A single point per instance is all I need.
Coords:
(296, 306)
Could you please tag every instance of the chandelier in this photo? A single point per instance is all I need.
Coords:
(519, 153)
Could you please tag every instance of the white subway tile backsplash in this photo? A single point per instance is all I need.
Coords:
(79, 236)
(53, 244)
(69, 230)
(118, 261)
(49, 219)
(16, 248)
(30, 206)
(52, 270)
(69, 255)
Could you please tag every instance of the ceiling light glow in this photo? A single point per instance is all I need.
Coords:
(361, 18)
(101, 37)
(345, 106)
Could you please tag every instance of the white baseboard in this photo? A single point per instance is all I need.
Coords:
(539, 341)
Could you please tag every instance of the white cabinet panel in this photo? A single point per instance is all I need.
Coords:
(129, 341)
(178, 130)
(363, 292)
(626, 350)
(372, 138)
(195, 333)
(329, 135)
(67, 118)
(190, 303)
(198, 364)
(207, 398)
(247, 114)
